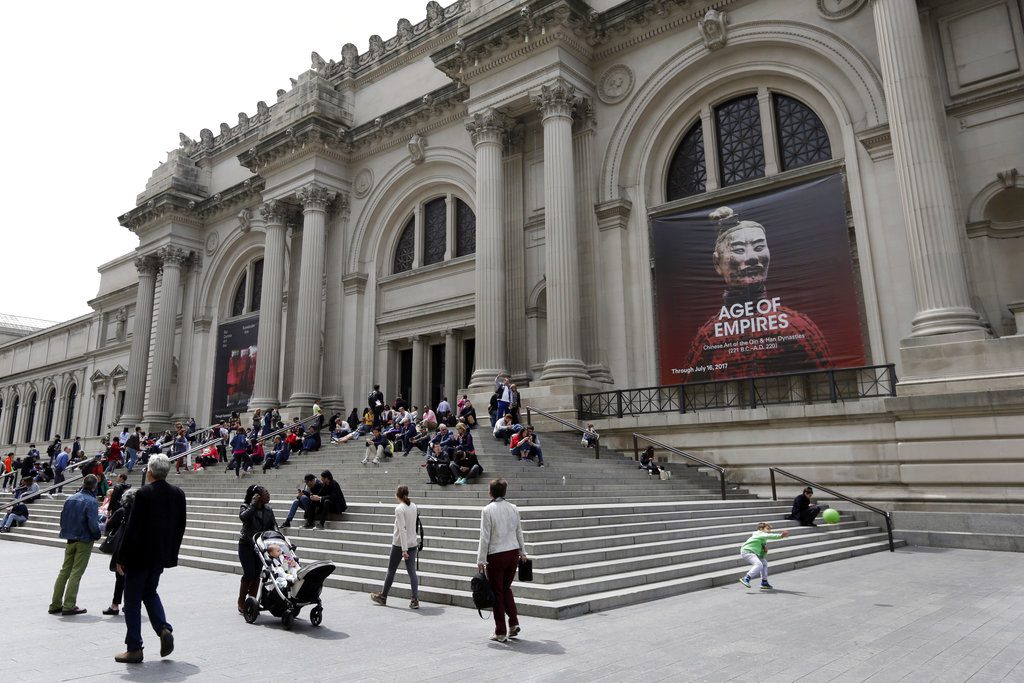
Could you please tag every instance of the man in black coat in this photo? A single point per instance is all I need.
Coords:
(150, 542)
(802, 510)
(330, 499)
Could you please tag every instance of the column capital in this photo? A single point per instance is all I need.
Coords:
(147, 265)
(556, 99)
(316, 197)
(487, 126)
(173, 256)
(584, 119)
(276, 212)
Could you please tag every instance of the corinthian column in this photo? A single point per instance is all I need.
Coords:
(135, 390)
(267, 389)
(486, 129)
(565, 357)
(315, 199)
(159, 408)
(930, 211)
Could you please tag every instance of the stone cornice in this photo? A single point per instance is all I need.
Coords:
(312, 135)
(436, 109)
(166, 206)
(240, 194)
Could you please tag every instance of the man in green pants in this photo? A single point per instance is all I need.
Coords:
(79, 526)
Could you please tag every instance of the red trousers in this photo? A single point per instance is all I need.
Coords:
(501, 569)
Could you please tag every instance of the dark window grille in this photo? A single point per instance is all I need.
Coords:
(256, 295)
(435, 230)
(51, 405)
(69, 414)
(406, 249)
(687, 174)
(30, 419)
(803, 139)
(101, 402)
(13, 417)
(238, 307)
(740, 143)
(465, 229)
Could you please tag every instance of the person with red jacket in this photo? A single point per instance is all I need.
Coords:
(114, 454)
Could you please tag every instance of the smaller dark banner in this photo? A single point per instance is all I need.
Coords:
(235, 368)
(762, 286)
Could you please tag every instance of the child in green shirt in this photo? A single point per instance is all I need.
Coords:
(755, 551)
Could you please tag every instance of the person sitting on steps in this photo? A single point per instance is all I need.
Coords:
(528, 446)
(377, 446)
(505, 428)
(419, 439)
(649, 462)
(329, 500)
(465, 467)
(311, 487)
(438, 461)
(803, 510)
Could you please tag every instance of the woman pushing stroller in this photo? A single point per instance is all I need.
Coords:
(256, 516)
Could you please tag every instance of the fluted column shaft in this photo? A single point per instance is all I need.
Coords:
(930, 211)
(418, 391)
(486, 129)
(556, 102)
(135, 388)
(309, 306)
(159, 408)
(515, 293)
(267, 389)
(451, 365)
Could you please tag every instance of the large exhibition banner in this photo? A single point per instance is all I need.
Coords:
(762, 286)
(235, 367)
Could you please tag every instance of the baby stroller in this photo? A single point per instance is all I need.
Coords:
(285, 588)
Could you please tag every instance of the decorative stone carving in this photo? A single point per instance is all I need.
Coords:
(404, 30)
(435, 13)
(713, 29)
(417, 148)
(225, 129)
(615, 84)
(244, 220)
(557, 98)
(212, 243)
(1008, 178)
(376, 47)
(487, 126)
(186, 143)
(317, 63)
(275, 211)
(362, 183)
(120, 323)
(172, 256)
(206, 138)
(262, 110)
(316, 197)
(243, 120)
(349, 57)
(147, 265)
(839, 9)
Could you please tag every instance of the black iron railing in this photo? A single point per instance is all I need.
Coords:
(819, 487)
(564, 423)
(700, 462)
(820, 386)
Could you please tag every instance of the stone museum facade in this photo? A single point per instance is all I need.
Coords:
(474, 194)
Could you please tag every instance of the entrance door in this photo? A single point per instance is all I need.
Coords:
(469, 358)
(436, 374)
(404, 374)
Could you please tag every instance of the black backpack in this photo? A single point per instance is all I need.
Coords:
(423, 539)
(483, 594)
(443, 474)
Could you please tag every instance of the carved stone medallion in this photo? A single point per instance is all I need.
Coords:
(363, 182)
(616, 84)
(212, 242)
(839, 9)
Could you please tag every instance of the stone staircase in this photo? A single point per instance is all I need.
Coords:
(602, 533)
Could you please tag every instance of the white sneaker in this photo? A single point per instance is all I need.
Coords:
(363, 461)
(376, 461)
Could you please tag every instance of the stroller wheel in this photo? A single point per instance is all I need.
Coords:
(252, 610)
(287, 620)
(316, 615)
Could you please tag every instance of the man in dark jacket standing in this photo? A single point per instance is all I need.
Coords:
(150, 542)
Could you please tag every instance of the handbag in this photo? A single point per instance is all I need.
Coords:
(665, 475)
(526, 570)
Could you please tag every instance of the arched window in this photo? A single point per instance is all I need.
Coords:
(249, 292)
(445, 225)
(51, 405)
(687, 174)
(406, 250)
(740, 143)
(435, 230)
(15, 404)
(802, 137)
(69, 413)
(30, 419)
(465, 229)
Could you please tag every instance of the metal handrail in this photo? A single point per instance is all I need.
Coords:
(566, 423)
(817, 486)
(689, 456)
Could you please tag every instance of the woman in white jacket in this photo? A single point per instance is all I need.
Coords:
(403, 547)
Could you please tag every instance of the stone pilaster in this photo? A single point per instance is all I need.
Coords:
(267, 388)
(334, 302)
(556, 102)
(315, 199)
(515, 317)
(418, 390)
(486, 129)
(930, 211)
(451, 365)
(135, 390)
(159, 407)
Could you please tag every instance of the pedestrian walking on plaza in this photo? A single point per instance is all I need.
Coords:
(498, 556)
(117, 519)
(403, 547)
(150, 542)
(80, 527)
(257, 517)
(755, 552)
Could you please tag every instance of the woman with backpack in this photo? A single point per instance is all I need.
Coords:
(403, 547)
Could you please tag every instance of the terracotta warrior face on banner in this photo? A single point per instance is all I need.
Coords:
(742, 257)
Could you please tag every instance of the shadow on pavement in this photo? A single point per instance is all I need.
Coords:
(533, 647)
(161, 670)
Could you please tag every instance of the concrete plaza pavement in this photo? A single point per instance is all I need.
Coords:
(921, 614)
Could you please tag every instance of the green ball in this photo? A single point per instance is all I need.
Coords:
(831, 516)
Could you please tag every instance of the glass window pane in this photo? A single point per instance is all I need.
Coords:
(687, 174)
(740, 143)
(257, 285)
(238, 307)
(435, 230)
(465, 229)
(803, 139)
(406, 248)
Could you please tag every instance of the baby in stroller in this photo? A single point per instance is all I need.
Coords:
(285, 587)
(282, 563)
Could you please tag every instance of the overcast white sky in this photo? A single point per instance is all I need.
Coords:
(94, 96)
